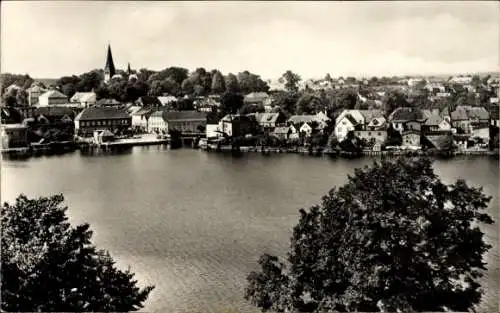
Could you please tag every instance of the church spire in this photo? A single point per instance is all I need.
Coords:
(109, 69)
(129, 71)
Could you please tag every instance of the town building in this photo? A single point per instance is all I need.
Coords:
(84, 99)
(140, 118)
(52, 97)
(406, 118)
(187, 122)
(14, 136)
(101, 118)
(34, 92)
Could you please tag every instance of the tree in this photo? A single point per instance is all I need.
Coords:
(187, 86)
(48, 265)
(231, 102)
(328, 78)
(475, 80)
(68, 89)
(286, 101)
(346, 99)
(410, 244)
(291, 81)
(392, 100)
(232, 84)
(249, 82)
(309, 104)
(218, 83)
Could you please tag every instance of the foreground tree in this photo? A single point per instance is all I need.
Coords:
(394, 238)
(49, 266)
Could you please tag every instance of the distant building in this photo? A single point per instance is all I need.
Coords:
(52, 97)
(84, 99)
(34, 92)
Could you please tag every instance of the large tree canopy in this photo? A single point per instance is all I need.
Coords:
(49, 266)
(393, 238)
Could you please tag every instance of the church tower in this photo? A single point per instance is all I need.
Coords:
(109, 69)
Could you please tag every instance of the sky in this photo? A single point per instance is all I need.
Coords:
(50, 39)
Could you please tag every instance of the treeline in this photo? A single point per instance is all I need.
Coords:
(175, 81)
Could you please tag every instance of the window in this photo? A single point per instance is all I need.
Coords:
(344, 122)
(379, 134)
(369, 133)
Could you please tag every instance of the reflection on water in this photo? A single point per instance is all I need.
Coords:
(194, 224)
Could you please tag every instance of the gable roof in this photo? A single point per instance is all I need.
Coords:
(299, 119)
(479, 113)
(107, 102)
(434, 120)
(350, 118)
(467, 112)
(53, 94)
(371, 114)
(256, 96)
(439, 142)
(404, 114)
(267, 117)
(83, 97)
(102, 113)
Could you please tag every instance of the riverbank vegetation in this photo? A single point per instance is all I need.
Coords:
(394, 238)
(50, 266)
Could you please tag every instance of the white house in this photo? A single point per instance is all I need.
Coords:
(157, 123)
(345, 124)
(305, 129)
(140, 118)
(85, 99)
(167, 100)
(52, 97)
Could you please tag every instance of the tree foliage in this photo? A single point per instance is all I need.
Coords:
(231, 102)
(218, 83)
(249, 82)
(393, 99)
(48, 265)
(393, 238)
(291, 81)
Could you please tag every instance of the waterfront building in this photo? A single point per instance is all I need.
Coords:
(102, 118)
(14, 136)
(140, 118)
(405, 118)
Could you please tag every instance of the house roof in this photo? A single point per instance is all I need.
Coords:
(256, 96)
(83, 97)
(184, 116)
(101, 113)
(149, 101)
(167, 99)
(53, 94)
(371, 114)
(281, 130)
(108, 102)
(299, 119)
(434, 119)
(467, 112)
(479, 113)
(439, 142)
(267, 117)
(351, 119)
(404, 114)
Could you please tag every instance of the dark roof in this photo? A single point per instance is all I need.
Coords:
(101, 114)
(351, 119)
(150, 101)
(407, 114)
(439, 142)
(54, 111)
(184, 116)
(107, 102)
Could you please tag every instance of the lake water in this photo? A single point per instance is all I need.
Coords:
(194, 223)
